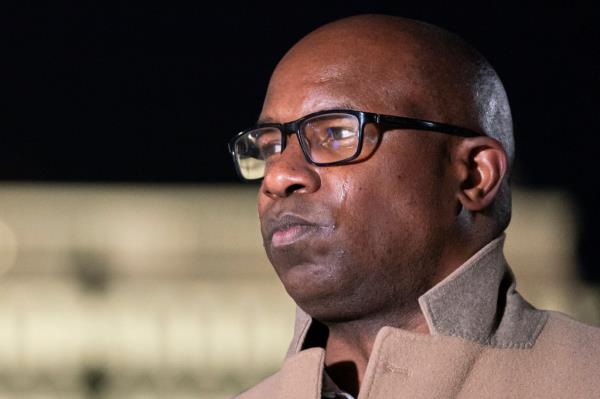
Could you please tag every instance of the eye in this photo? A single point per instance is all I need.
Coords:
(338, 136)
(340, 133)
(267, 143)
(269, 148)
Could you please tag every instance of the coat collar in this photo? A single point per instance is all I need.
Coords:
(476, 302)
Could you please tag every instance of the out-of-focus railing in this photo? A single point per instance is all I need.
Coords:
(164, 292)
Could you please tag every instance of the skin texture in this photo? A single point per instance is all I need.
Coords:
(356, 245)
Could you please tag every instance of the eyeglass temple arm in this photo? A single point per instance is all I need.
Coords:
(424, 125)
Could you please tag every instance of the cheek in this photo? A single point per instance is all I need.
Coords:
(391, 209)
(364, 220)
(260, 202)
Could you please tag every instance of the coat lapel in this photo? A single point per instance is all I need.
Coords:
(410, 365)
(302, 375)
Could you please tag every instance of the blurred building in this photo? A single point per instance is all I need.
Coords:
(124, 291)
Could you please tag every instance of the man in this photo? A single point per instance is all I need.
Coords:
(385, 147)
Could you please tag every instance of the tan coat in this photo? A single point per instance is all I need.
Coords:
(486, 341)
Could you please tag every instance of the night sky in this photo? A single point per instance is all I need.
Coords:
(153, 92)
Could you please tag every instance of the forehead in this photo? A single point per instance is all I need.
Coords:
(296, 98)
(300, 87)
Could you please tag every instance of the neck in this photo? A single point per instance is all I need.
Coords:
(349, 344)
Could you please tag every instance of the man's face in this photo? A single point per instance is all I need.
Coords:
(354, 239)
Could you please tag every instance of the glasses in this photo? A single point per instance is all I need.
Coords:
(331, 137)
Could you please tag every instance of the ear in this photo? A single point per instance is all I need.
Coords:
(482, 165)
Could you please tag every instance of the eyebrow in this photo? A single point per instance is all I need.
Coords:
(340, 105)
(265, 120)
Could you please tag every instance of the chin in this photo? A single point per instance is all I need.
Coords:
(321, 292)
(309, 280)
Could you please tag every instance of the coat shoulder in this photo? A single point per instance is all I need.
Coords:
(576, 343)
(264, 389)
(564, 362)
(564, 330)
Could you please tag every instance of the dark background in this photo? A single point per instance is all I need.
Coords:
(152, 92)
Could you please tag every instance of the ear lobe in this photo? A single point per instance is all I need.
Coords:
(483, 167)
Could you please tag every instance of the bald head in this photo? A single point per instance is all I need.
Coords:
(411, 66)
(399, 66)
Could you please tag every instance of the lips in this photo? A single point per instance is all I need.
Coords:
(287, 229)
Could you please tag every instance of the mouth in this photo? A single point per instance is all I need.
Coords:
(288, 229)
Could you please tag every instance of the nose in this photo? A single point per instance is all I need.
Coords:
(290, 173)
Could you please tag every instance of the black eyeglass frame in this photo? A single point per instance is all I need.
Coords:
(390, 122)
